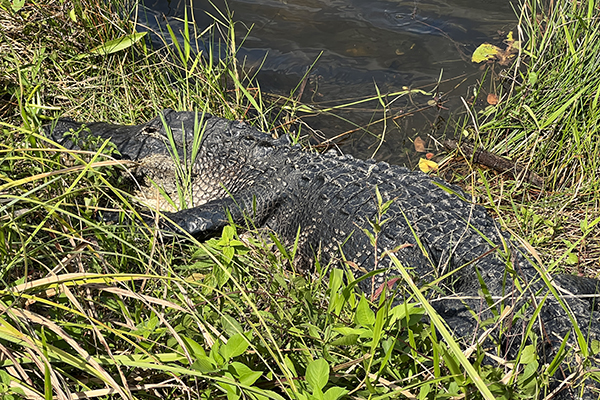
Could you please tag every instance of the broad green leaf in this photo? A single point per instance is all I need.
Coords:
(336, 301)
(228, 233)
(290, 365)
(533, 78)
(347, 340)
(215, 351)
(233, 391)
(230, 325)
(424, 391)
(243, 373)
(527, 380)
(313, 330)
(528, 355)
(193, 347)
(5, 377)
(378, 328)
(204, 364)
(529, 371)
(334, 393)
(344, 330)
(236, 345)
(364, 315)
(572, 259)
(228, 253)
(317, 374)
(122, 43)
(400, 312)
(335, 280)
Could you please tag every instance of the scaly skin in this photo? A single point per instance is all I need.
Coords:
(430, 226)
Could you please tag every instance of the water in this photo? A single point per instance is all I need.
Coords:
(360, 44)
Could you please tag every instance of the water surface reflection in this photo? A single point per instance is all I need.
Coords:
(360, 44)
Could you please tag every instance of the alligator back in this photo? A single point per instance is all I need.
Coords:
(442, 238)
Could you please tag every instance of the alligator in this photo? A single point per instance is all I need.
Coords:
(327, 201)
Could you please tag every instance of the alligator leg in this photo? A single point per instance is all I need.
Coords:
(204, 221)
(209, 219)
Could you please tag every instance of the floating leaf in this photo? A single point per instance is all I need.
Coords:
(419, 145)
(492, 99)
(122, 43)
(513, 45)
(485, 52)
(427, 165)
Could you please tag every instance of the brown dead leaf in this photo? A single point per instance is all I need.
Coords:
(429, 156)
(419, 145)
(492, 99)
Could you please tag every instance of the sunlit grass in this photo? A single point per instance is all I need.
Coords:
(94, 309)
(547, 120)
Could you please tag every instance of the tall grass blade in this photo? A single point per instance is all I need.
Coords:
(440, 325)
(116, 45)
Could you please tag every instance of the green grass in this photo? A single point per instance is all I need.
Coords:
(113, 311)
(551, 115)
(548, 119)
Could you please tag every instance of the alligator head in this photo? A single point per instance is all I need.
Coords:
(179, 152)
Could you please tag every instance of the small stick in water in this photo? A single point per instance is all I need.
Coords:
(495, 162)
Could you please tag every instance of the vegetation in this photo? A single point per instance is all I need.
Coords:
(98, 310)
(548, 120)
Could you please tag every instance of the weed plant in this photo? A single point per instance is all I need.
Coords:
(548, 120)
(89, 309)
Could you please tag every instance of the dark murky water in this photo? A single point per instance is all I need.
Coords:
(360, 44)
